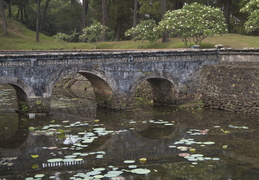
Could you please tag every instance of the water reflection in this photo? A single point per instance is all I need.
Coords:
(80, 141)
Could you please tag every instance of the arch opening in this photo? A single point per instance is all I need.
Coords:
(102, 90)
(13, 98)
(85, 90)
(156, 91)
(163, 91)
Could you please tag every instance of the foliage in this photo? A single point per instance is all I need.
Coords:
(150, 9)
(20, 38)
(145, 30)
(193, 22)
(252, 9)
(93, 33)
(64, 38)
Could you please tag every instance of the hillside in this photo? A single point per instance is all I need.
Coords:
(20, 38)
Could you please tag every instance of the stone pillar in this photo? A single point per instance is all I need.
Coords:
(122, 102)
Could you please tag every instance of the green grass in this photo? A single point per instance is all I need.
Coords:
(20, 38)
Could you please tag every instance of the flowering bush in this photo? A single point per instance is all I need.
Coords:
(64, 38)
(193, 22)
(93, 33)
(252, 8)
(145, 30)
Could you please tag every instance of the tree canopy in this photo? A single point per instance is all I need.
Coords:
(252, 9)
(145, 30)
(193, 22)
(64, 16)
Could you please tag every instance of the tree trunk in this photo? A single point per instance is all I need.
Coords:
(9, 11)
(83, 25)
(25, 15)
(104, 16)
(17, 16)
(117, 35)
(226, 10)
(163, 11)
(135, 17)
(42, 18)
(84, 12)
(38, 21)
(3, 17)
(22, 15)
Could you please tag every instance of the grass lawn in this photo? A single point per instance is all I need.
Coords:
(20, 38)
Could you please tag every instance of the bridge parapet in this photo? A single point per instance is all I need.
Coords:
(82, 57)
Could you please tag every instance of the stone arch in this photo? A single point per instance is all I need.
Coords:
(103, 85)
(23, 91)
(164, 87)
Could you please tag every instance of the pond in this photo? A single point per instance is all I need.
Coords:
(80, 141)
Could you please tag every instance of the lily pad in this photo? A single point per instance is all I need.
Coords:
(129, 161)
(94, 172)
(39, 175)
(141, 171)
(209, 143)
(111, 174)
(132, 166)
(54, 160)
(68, 160)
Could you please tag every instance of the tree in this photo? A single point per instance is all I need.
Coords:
(193, 22)
(104, 16)
(150, 9)
(38, 21)
(85, 4)
(145, 30)
(64, 38)
(163, 11)
(135, 9)
(93, 33)
(252, 9)
(3, 17)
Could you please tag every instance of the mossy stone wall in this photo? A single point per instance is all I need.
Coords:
(232, 87)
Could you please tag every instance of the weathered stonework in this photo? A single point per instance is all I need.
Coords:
(114, 75)
(232, 87)
(224, 79)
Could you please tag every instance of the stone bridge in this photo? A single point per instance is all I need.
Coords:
(114, 75)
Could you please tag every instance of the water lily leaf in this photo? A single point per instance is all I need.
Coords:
(141, 171)
(31, 128)
(39, 175)
(209, 143)
(54, 160)
(111, 174)
(93, 173)
(129, 161)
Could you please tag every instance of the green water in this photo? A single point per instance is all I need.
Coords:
(79, 141)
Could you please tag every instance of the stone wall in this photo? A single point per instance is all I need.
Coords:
(232, 87)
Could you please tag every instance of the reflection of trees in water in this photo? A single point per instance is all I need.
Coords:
(13, 130)
(67, 103)
(8, 98)
(139, 139)
(201, 171)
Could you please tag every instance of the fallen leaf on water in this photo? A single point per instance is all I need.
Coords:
(225, 131)
(225, 146)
